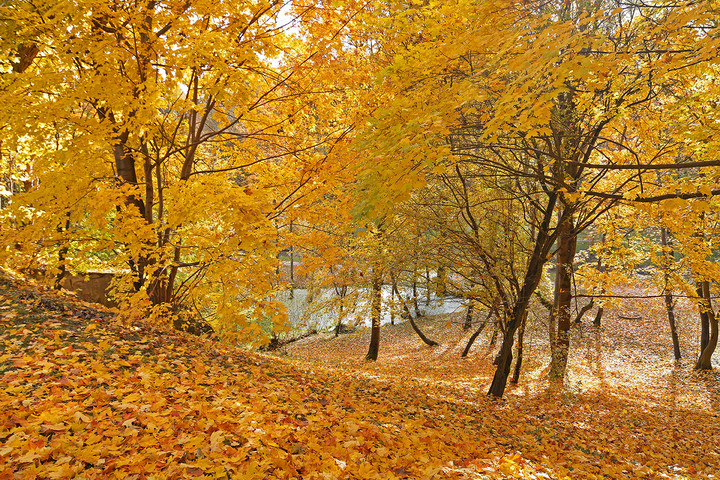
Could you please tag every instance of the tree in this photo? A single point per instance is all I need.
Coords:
(153, 106)
(543, 93)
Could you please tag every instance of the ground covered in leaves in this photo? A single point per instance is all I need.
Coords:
(84, 396)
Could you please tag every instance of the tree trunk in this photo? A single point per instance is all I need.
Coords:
(415, 297)
(392, 306)
(376, 310)
(292, 268)
(428, 286)
(669, 303)
(533, 274)
(477, 332)
(704, 318)
(601, 309)
(340, 317)
(583, 311)
(598, 316)
(496, 329)
(673, 327)
(519, 351)
(441, 289)
(62, 256)
(125, 167)
(705, 359)
(419, 332)
(469, 315)
(563, 295)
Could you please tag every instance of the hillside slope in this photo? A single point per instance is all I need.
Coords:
(82, 396)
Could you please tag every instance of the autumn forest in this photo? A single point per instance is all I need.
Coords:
(359, 239)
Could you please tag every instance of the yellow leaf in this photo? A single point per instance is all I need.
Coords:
(29, 457)
(81, 417)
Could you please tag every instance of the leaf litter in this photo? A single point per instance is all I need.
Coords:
(84, 396)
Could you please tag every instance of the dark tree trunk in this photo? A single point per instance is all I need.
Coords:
(125, 167)
(560, 344)
(479, 330)
(376, 310)
(62, 256)
(415, 296)
(533, 274)
(338, 327)
(392, 302)
(704, 318)
(584, 310)
(669, 302)
(705, 359)
(601, 309)
(469, 315)
(669, 306)
(428, 287)
(340, 318)
(420, 334)
(62, 268)
(441, 282)
(292, 268)
(496, 329)
(519, 352)
(26, 53)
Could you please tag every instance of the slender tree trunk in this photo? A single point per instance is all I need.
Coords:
(340, 318)
(479, 330)
(705, 359)
(583, 311)
(62, 256)
(669, 303)
(338, 327)
(704, 317)
(441, 282)
(519, 351)
(601, 309)
(125, 167)
(417, 330)
(376, 310)
(392, 302)
(415, 296)
(292, 267)
(469, 315)
(563, 286)
(496, 330)
(170, 287)
(428, 286)
(148, 169)
(669, 306)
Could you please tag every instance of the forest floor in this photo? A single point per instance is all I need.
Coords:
(83, 395)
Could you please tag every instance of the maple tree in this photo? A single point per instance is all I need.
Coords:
(546, 93)
(181, 132)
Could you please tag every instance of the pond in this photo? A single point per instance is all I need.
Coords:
(322, 310)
